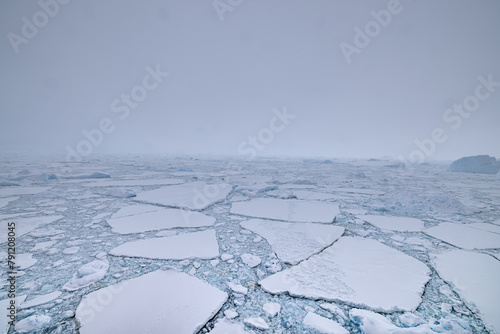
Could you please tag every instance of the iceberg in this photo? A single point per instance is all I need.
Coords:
(483, 164)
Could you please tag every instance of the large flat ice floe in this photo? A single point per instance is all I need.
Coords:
(294, 242)
(163, 301)
(467, 236)
(287, 210)
(194, 195)
(401, 224)
(360, 272)
(124, 183)
(26, 225)
(196, 245)
(474, 277)
(9, 191)
(142, 217)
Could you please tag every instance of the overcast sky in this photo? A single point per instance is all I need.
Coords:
(347, 78)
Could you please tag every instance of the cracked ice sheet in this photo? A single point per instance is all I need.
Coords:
(194, 195)
(25, 225)
(163, 301)
(294, 242)
(467, 236)
(287, 210)
(129, 183)
(359, 272)
(401, 224)
(474, 277)
(5, 201)
(196, 245)
(142, 218)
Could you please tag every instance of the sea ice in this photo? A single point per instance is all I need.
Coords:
(360, 272)
(294, 242)
(141, 218)
(271, 309)
(225, 326)
(287, 210)
(401, 224)
(163, 301)
(32, 323)
(40, 300)
(195, 195)
(256, 322)
(9, 191)
(250, 260)
(322, 325)
(129, 183)
(474, 276)
(483, 164)
(196, 245)
(87, 274)
(467, 236)
(5, 201)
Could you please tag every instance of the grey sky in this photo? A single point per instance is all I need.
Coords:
(226, 77)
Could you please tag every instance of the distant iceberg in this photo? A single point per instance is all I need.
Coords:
(483, 164)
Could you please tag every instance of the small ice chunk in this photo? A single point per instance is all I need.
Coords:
(39, 246)
(24, 261)
(226, 326)
(87, 274)
(256, 322)
(271, 309)
(230, 313)
(226, 256)
(214, 263)
(71, 250)
(237, 288)
(322, 325)
(334, 309)
(250, 260)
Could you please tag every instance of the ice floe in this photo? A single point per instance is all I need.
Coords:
(226, 326)
(9, 191)
(287, 210)
(26, 225)
(40, 300)
(196, 245)
(163, 301)
(194, 195)
(87, 274)
(135, 182)
(32, 323)
(360, 272)
(5, 201)
(322, 325)
(467, 236)
(141, 217)
(294, 242)
(474, 276)
(401, 224)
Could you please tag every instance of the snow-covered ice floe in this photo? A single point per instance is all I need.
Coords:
(401, 224)
(287, 210)
(194, 195)
(360, 272)
(142, 217)
(294, 242)
(87, 274)
(474, 276)
(322, 325)
(163, 301)
(25, 225)
(467, 236)
(196, 245)
(9, 191)
(129, 183)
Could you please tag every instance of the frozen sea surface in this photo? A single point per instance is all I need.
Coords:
(182, 245)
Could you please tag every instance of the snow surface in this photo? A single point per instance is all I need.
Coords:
(467, 236)
(141, 218)
(129, 183)
(474, 276)
(87, 274)
(163, 301)
(196, 245)
(323, 325)
(5, 201)
(226, 326)
(287, 210)
(402, 224)
(294, 242)
(193, 195)
(25, 225)
(360, 272)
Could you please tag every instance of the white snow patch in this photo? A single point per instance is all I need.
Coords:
(141, 218)
(163, 301)
(287, 210)
(322, 325)
(467, 236)
(195, 195)
(87, 274)
(401, 224)
(474, 277)
(201, 245)
(356, 271)
(294, 242)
